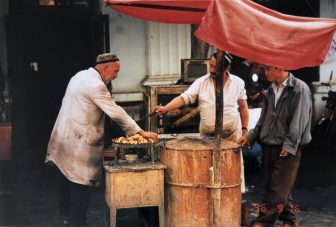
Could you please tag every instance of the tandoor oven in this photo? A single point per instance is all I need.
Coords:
(184, 120)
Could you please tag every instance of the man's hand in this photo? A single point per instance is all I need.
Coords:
(174, 104)
(148, 135)
(160, 110)
(284, 153)
(244, 132)
(243, 141)
(255, 96)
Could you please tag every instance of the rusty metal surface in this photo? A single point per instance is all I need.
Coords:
(188, 183)
(195, 144)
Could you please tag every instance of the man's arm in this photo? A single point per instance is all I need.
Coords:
(147, 134)
(187, 97)
(102, 98)
(172, 105)
(244, 115)
(253, 135)
(302, 112)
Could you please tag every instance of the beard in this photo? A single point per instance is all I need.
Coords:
(213, 75)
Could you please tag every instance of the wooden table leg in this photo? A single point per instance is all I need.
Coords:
(116, 158)
(113, 217)
(152, 154)
(161, 215)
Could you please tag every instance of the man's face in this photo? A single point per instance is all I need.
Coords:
(272, 73)
(213, 67)
(112, 70)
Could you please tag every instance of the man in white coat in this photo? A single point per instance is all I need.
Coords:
(76, 142)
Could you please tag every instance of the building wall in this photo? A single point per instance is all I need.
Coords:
(150, 52)
(127, 40)
(327, 10)
(133, 41)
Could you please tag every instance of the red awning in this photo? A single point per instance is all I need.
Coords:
(164, 11)
(243, 28)
(254, 32)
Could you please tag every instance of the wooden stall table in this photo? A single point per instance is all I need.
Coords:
(130, 185)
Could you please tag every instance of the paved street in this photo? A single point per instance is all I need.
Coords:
(28, 194)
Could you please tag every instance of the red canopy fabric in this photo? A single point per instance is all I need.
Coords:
(164, 11)
(252, 31)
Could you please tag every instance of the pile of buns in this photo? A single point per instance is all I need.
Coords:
(135, 139)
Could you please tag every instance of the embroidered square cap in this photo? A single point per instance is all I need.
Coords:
(107, 57)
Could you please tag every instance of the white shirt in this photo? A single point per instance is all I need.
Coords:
(203, 89)
(278, 90)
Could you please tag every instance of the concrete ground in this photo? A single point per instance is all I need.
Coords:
(29, 194)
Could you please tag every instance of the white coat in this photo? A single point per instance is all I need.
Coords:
(76, 142)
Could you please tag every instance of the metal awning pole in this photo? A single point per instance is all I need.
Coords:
(216, 182)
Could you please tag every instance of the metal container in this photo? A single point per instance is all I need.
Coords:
(187, 181)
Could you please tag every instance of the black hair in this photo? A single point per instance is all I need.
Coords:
(214, 55)
(226, 58)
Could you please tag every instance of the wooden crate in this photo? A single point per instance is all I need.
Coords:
(134, 185)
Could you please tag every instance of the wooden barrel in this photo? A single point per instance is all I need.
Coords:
(187, 183)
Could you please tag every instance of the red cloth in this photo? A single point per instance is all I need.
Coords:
(164, 11)
(252, 31)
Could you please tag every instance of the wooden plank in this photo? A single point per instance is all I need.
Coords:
(135, 167)
(189, 115)
(216, 160)
(134, 189)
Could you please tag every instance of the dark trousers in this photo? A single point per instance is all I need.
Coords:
(280, 174)
(74, 201)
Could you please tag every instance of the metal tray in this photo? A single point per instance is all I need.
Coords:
(145, 145)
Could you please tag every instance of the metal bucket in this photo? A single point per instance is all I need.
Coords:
(187, 180)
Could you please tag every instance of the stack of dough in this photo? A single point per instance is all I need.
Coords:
(135, 139)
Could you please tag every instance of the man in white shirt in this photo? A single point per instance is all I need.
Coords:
(234, 99)
(204, 89)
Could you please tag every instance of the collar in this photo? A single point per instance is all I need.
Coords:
(229, 76)
(288, 82)
(94, 70)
